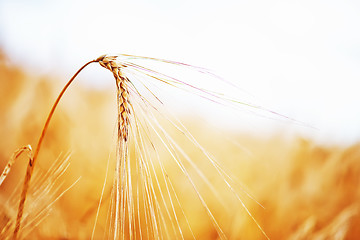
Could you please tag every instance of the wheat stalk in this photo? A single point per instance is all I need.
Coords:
(32, 161)
(15, 156)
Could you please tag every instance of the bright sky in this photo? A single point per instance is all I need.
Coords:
(302, 58)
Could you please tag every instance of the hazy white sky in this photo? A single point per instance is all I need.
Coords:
(301, 58)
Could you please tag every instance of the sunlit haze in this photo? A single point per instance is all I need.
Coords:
(298, 58)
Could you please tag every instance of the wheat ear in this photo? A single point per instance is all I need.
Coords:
(124, 104)
(122, 181)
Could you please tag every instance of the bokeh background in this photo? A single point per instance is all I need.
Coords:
(298, 58)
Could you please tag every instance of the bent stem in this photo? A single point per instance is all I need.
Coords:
(32, 161)
(14, 157)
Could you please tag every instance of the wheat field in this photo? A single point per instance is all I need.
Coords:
(292, 188)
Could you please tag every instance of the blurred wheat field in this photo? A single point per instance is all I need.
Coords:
(308, 191)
